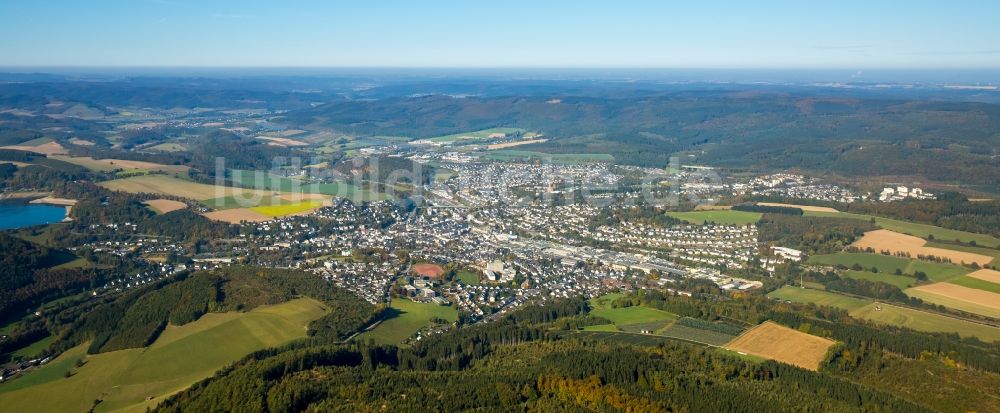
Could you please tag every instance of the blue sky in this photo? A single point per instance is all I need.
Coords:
(690, 34)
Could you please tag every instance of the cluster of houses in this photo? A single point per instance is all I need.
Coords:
(900, 193)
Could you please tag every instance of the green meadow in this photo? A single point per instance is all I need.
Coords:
(925, 321)
(808, 295)
(888, 264)
(915, 229)
(404, 319)
(133, 380)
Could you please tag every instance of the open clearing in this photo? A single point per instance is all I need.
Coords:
(632, 315)
(808, 295)
(496, 146)
(728, 217)
(237, 215)
(483, 134)
(50, 148)
(777, 342)
(992, 276)
(406, 317)
(802, 207)
(960, 298)
(919, 230)
(162, 206)
(977, 283)
(287, 209)
(888, 264)
(103, 165)
(885, 240)
(282, 141)
(137, 379)
(925, 321)
(429, 270)
(900, 281)
(168, 185)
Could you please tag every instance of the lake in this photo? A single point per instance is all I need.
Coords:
(26, 215)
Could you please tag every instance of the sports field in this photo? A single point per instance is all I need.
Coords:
(136, 379)
(468, 276)
(808, 295)
(960, 298)
(406, 318)
(885, 240)
(925, 321)
(888, 264)
(777, 342)
(426, 269)
(919, 230)
(728, 217)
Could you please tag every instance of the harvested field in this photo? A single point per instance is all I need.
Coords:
(780, 343)
(992, 276)
(282, 141)
(112, 164)
(515, 143)
(885, 240)
(50, 200)
(802, 207)
(237, 215)
(81, 142)
(428, 270)
(167, 185)
(51, 148)
(960, 298)
(162, 206)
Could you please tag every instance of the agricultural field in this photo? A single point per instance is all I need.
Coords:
(684, 332)
(168, 147)
(168, 185)
(925, 321)
(406, 317)
(496, 146)
(136, 379)
(808, 295)
(802, 207)
(960, 298)
(780, 343)
(918, 230)
(650, 327)
(237, 215)
(995, 253)
(992, 276)
(162, 206)
(264, 181)
(727, 217)
(512, 155)
(477, 135)
(900, 281)
(632, 315)
(888, 264)
(885, 240)
(287, 209)
(104, 165)
(977, 283)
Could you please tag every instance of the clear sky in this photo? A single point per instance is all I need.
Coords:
(471, 33)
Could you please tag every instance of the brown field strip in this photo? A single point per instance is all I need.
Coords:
(984, 274)
(959, 297)
(885, 240)
(776, 342)
(51, 148)
(237, 215)
(163, 206)
(802, 207)
(428, 270)
(513, 144)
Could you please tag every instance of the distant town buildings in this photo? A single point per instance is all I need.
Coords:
(900, 193)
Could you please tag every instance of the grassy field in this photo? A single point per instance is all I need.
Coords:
(919, 230)
(728, 217)
(977, 284)
(102, 165)
(265, 181)
(512, 155)
(632, 315)
(476, 135)
(410, 316)
(32, 350)
(620, 337)
(807, 295)
(714, 338)
(900, 281)
(601, 327)
(467, 276)
(959, 297)
(287, 209)
(888, 264)
(926, 321)
(135, 379)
